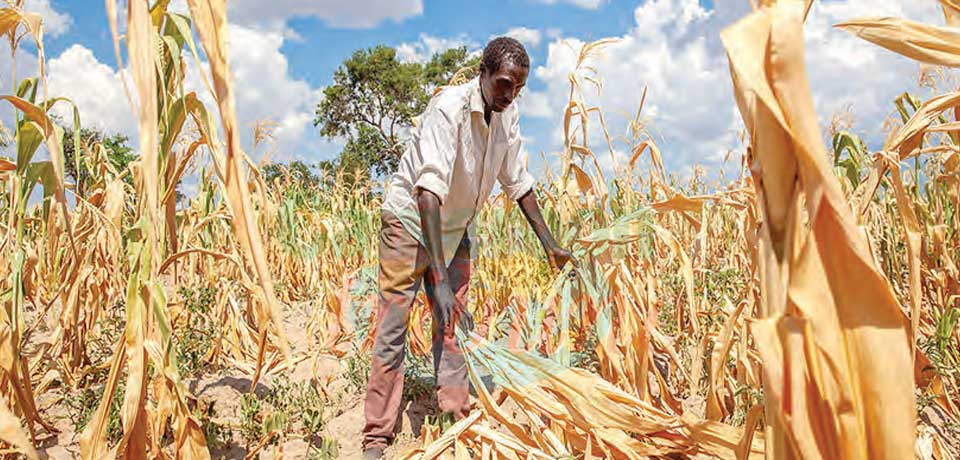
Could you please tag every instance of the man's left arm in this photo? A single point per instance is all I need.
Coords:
(556, 255)
(519, 185)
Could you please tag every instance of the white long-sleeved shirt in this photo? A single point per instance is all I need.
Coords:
(454, 153)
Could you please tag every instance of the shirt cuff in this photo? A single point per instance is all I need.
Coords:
(430, 181)
(516, 190)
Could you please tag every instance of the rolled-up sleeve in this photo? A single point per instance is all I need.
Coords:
(437, 148)
(514, 178)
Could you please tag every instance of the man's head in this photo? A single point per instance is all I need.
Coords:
(503, 72)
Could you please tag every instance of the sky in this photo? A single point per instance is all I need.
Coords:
(284, 52)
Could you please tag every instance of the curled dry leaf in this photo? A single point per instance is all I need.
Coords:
(828, 394)
(926, 43)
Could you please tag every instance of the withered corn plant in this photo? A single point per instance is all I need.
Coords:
(807, 307)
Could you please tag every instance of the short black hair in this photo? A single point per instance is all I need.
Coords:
(501, 49)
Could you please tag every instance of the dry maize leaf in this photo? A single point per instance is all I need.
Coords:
(907, 138)
(213, 254)
(502, 440)
(492, 410)
(525, 377)
(584, 182)
(93, 440)
(10, 18)
(52, 137)
(922, 42)
(460, 451)
(210, 17)
(680, 202)
(133, 409)
(687, 268)
(11, 432)
(141, 51)
(913, 233)
(655, 158)
(30, 273)
(547, 440)
(721, 441)
(853, 398)
(744, 447)
(806, 4)
(718, 364)
(171, 394)
(561, 394)
(951, 11)
(582, 150)
(447, 439)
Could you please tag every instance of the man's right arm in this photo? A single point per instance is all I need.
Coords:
(437, 278)
(436, 147)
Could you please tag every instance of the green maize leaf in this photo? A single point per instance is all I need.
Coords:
(174, 48)
(158, 11)
(182, 24)
(41, 172)
(28, 85)
(29, 138)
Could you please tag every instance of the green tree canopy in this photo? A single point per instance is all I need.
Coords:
(373, 100)
(118, 153)
(297, 170)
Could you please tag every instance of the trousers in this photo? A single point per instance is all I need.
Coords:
(403, 264)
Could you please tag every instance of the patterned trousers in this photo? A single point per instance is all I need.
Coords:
(403, 263)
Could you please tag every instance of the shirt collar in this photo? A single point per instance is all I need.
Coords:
(476, 98)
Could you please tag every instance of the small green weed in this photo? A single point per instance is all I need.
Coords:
(82, 405)
(357, 371)
(285, 409)
(196, 335)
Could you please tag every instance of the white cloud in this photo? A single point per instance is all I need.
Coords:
(265, 90)
(535, 104)
(529, 37)
(587, 4)
(674, 50)
(335, 13)
(94, 87)
(54, 23)
(422, 49)
(844, 69)
(354, 14)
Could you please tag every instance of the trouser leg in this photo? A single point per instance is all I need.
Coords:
(448, 360)
(402, 262)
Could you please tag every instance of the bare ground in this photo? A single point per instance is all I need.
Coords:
(224, 389)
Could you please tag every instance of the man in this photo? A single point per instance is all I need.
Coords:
(467, 139)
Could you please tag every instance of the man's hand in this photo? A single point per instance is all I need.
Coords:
(437, 279)
(443, 302)
(446, 307)
(558, 257)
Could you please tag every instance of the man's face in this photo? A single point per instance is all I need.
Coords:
(500, 88)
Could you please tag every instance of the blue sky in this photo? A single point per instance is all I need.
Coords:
(283, 53)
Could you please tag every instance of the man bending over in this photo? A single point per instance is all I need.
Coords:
(467, 140)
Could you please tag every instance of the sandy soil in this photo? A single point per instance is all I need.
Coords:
(224, 388)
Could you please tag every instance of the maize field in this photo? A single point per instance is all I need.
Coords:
(805, 306)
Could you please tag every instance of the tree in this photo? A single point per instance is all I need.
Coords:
(298, 171)
(373, 100)
(118, 153)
